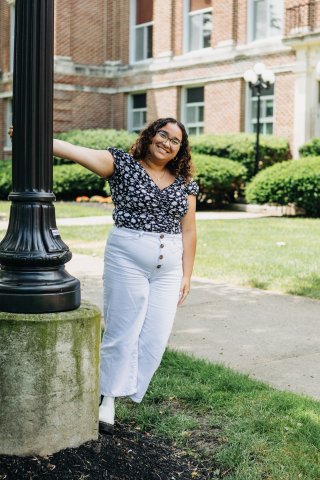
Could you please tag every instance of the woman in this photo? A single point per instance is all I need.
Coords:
(149, 254)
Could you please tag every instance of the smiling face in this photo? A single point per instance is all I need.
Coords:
(166, 143)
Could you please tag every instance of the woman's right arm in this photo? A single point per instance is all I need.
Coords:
(98, 161)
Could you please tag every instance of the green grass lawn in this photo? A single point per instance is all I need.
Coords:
(69, 209)
(243, 428)
(279, 254)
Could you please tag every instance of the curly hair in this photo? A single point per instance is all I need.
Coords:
(181, 164)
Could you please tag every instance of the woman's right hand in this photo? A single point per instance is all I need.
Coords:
(10, 132)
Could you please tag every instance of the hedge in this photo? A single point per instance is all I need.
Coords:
(98, 138)
(218, 178)
(69, 181)
(5, 179)
(295, 182)
(311, 148)
(241, 148)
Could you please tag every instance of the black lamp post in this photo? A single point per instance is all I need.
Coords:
(258, 79)
(33, 278)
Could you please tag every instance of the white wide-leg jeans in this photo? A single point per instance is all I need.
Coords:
(142, 277)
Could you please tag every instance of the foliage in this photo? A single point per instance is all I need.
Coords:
(311, 148)
(70, 181)
(241, 148)
(97, 138)
(5, 179)
(295, 182)
(218, 178)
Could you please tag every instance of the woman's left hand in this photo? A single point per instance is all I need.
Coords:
(184, 289)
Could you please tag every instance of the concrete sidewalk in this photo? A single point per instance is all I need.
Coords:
(107, 219)
(272, 337)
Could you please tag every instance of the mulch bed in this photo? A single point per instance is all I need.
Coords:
(127, 455)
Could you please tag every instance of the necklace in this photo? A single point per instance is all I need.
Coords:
(154, 174)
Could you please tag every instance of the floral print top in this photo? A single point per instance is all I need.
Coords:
(140, 204)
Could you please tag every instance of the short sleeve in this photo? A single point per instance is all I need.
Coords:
(192, 188)
(121, 161)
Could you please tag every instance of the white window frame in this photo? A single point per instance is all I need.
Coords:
(186, 22)
(199, 125)
(131, 111)
(264, 120)
(250, 26)
(133, 29)
(8, 122)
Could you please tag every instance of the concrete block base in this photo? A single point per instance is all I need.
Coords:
(49, 380)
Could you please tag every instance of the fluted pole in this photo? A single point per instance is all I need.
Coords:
(32, 254)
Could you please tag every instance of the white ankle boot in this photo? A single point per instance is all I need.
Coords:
(106, 415)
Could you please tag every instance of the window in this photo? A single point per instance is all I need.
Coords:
(267, 18)
(194, 110)
(8, 121)
(137, 111)
(12, 20)
(199, 24)
(143, 29)
(266, 111)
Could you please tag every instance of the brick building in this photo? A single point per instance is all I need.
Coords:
(121, 63)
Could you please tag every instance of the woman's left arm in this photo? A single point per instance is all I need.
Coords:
(188, 225)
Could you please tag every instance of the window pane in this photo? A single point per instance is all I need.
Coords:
(200, 114)
(144, 11)
(139, 100)
(136, 119)
(269, 108)
(200, 130)
(275, 16)
(149, 41)
(192, 130)
(195, 95)
(259, 19)
(199, 4)
(195, 32)
(191, 114)
(265, 91)
(269, 128)
(139, 53)
(207, 28)
(254, 109)
(267, 18)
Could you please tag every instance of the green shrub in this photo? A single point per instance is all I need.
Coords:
(311, 148)
(70, 181)
(97, 138)
(294, 182)
(218, 178)
(5, 179)
(241, 148)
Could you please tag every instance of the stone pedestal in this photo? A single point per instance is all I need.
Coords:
(49, 372)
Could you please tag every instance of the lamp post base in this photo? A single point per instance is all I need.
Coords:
(32, 291)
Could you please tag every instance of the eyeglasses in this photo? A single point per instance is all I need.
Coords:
(174, 142)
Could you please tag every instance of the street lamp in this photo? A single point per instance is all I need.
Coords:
(259, 78)
(33, 278)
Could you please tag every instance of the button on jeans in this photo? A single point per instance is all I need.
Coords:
(142, 277)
